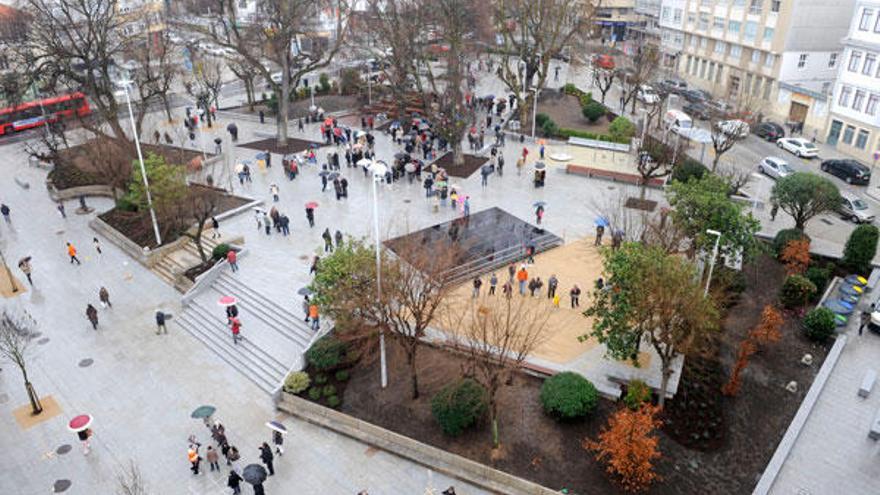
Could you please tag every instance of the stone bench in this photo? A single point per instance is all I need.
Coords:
(867, 383)
(610, 175)
(874, 434)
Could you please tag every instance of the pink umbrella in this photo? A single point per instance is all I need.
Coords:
(227, 301)
(311, 204)
(80, 423)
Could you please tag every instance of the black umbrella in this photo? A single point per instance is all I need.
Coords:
(305, 291)
(540, 166)
(231, 127)
(323, 173)
(254, 474)
(401, 156)
(487, 169)
(333, 175)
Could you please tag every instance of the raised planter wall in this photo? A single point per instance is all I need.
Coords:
(145, 256)
(76, 192)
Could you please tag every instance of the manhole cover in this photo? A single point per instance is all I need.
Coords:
(63, 449)
(304, 257)
(611, 188)
(407, 201)
(35, 335)
(4, 398)
(85, 363)
(44, 340)
(61, 486)
(829, 222)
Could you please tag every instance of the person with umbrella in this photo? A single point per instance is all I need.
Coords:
(601, 222)
(24, 265)
(310, 213)
(92, 315)
(267, 458)
(278, 432)
(81, 426)
(233, 131)
(235, 326)
(255, 475)
(539, 212)
(234, 482)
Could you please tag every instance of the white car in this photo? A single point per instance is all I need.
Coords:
(734, 128)
(774, 167)
(799, 146)
(647, 95)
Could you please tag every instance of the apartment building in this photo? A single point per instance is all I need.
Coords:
(646, 28)
(776, 58)
(614, 18)
(854, 126)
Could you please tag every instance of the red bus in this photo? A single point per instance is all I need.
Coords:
(39, 112)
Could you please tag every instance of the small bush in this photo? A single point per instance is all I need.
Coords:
(796, 291)
(784, 236)
(342, 376)
(315, 393)
(324, 82)
(621, 128)
(819, 276)
(571, 89)
(732, 280)
(459, 405)
(126, 204)
(297, 382)
(326, 353)
(819, 324)
(328, 390)
(637, 393)
(333, 401)
(220, 251)
(272, 103)
(541, 118)
(689, 169)
(585, 99)
(564, 132)
(593, 111)
(549, 128)
(320, 379)
(568, 395)
(860, 249)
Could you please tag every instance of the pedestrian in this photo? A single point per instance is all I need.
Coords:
(160, 322)
(267, 458)
(575, 293)
(600, 283)
(343, 183)
(232, 259)
(97, 244)
(616, 239)
(314, 268)
(5, 211)
(235, 326)
(541, 151)
(507, 289)
(212, 458)
(520, 163)
(477, 284)
(328, 240)
(218, 146)
(500, 166)
(262, 117)
(314, 316)
(773, 211)
(285, 224)
(305, 307)
(324, 179)
(83, 436)
(556, 73)
(234, 482)
(60, 208)
(600, 231)
(539, 214)
(552, 282)
(267, 223)
(25, 266)
(92, 315)
(522, 276)
(234, 456)
(299, 124)
(268, 158)
(493, 281)
(71, 251)
(310, 216)
(466, 207)
(511, 272)
(338, 239)
(533, 286)
(865, 319)
(273, 190)
(215, 228)
(278, 440)
(104, 297)
(484, 174)
(556, 300)
(192, 454)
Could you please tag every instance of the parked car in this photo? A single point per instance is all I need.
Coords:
(798, 146)
(603, 61)
(647, 95)
(770, 131)
(673, 86)
(696, 95)
(677, 121)
(733, 128)
(698, 110)
(775, 168)
(849, 170)
(720, 109)
(854, 208)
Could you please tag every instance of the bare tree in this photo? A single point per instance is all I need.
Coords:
(395, 24)
(16, 336)
(200, 204)
(655, 160)
(205, 84)
(157, 71)
(131, 482)
(603, 79)
(638, 70)
(725, 134)
(243, 72)
(736, 177)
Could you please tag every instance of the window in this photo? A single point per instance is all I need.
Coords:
(802, 61)
(865, 21)
(720, 47)
(739, 3)
(768, 34)
(848, 134)
(774, 5)
(855, 60)
(769, 60)
(692, 18)
(678, 38)
(832, 60)
(858, 100)
(845, 92)
(751, 30)
(705, 3)
(862, 139)
(718, 23)
(694, 41)
(735, 51)
(703, 69)
(711, 70)
(665, 13)
(756, 56)
(870, 61)
(704, 42)
(676, 16)
(871, 107)
(733, 27)
(877, 25)
(718, 74)
(768, 87)
(704, 21)
(755, 7)
(826, 86)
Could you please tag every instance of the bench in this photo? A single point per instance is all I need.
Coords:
(867, 383)
(611, 175)
(874, 433)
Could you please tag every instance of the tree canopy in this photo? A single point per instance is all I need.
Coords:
(803, 196)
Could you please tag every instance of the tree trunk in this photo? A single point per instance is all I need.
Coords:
(413, 371)
(198, 241)
(167, 106)
(664, 382)
(36, 406)
(493, 413)
(249, 90)
(525, 113)
(715, 161)
(457, 154)
(283, 103)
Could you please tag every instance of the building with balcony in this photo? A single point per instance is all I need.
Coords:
(614, 18)
(854, 126)
(775, 58)
(646, 28)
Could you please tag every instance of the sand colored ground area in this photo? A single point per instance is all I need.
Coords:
(614, 161)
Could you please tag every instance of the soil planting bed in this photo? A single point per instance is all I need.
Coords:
(640, 204)
(565, 110)
(300, 108)
(472, 163)
(294, 145)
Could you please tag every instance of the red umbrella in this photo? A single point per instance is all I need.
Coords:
(311, 204)
(328, 122)
(227, 301)
(80, 423)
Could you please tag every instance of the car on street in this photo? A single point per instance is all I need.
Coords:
(853, 207)
(677, 121)
(770, 131)
(720, 109)
(851, 171)
(603, 61)
(696, 95)
(697, 110)
(673, 86)
(774, 167)
(798, 146)
(647, 95)
(733, 128)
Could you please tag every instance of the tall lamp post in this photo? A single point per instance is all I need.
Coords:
(535, 109)
(379, 169)
(125, 84)
(712, 261)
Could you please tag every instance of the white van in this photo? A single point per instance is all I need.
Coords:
(677, 121)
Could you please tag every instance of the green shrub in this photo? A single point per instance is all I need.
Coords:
(593, 111)
(315, 393)
(296, 382)
(796, 291)
(321, 379)
(819, 276)
(571, 89)
(328, 390)
(689, 169)
(333, 401)
(621, 128)
(637, 393)
(326, 353)
(860, 249)
(564, 132)
(733, 281)
(541, 118)
(126, 204)
(549, 129)
(220, 251)
(342, 375)
(585, 99)
(272, 103)
(784, 236)
(819, 324)
(568, 395)
(459, 405)
(324, 82)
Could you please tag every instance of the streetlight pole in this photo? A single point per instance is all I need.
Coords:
(379, 169)
(312, 90)
(137, 143)
(369, 84)
(535, 110)
(712, 261)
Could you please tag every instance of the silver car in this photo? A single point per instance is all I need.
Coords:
(855, 208)
(775, 168)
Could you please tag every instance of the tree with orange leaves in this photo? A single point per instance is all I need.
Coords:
(796, 256)
(628, 447)
(766, 332)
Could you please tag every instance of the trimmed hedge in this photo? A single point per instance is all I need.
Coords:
(689, 169)
(637, 393)
(315, 393)
(784, 236)
(342, 375)
(819, 324)
(565, 132)
(796, 291)
(297, 382)
(568, 395)
(333, 401)
(326, 353)
(819, 276)
(593, 111)
(459, 406)
(220, 251)
(858, 254)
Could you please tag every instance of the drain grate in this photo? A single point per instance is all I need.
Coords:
(63, 449)
(85, 363)
(825, 220)
(61, 486)
(43, 341)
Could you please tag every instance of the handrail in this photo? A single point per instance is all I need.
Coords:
(536, 241)
(299, 363)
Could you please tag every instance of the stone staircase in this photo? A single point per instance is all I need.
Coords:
(177, 262)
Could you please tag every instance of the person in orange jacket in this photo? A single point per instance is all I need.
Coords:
(313, 315)
(522, 276)
(71, 251)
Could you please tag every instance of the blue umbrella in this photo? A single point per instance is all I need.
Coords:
(539, 203)
(602, 222)
(314, 146)
(838, 306)
(203, 412)
(262, 155)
